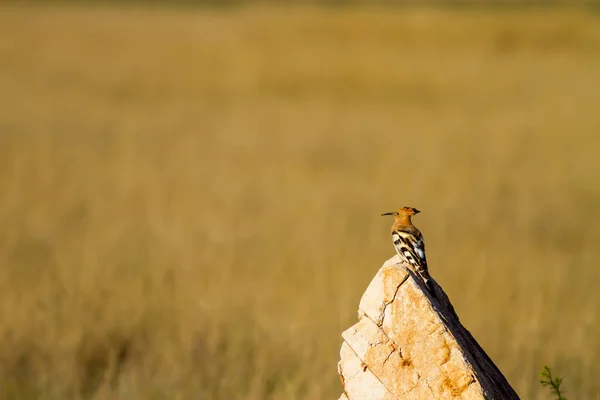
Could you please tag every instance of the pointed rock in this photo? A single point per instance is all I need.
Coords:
(410, 344)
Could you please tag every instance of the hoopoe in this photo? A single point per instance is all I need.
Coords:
(409, 244)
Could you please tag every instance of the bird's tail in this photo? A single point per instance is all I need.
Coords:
(429, 285)
(424, 274)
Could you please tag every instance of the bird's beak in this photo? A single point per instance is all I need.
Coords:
(417, 211)
(390, 213)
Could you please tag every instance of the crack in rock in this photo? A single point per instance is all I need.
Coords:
(428, 386)
(387, 303)
(388, 357)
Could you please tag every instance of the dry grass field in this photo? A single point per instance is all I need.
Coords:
(190, 199)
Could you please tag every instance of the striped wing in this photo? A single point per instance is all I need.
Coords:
(411, 248)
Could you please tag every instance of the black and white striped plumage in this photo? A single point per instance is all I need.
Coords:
(409, 244)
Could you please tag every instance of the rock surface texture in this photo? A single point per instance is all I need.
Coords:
(409, 344)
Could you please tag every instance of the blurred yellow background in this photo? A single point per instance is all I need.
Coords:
(190, 198)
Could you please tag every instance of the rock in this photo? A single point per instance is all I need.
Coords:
(409, 344)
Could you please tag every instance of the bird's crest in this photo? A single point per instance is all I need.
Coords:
(404, 212)
(408, 211)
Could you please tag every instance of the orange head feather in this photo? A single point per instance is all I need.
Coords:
(403, 212)
(403, 215)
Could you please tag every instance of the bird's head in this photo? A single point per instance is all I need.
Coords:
(403, 212)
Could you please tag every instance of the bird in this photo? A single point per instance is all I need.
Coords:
(409, 243)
